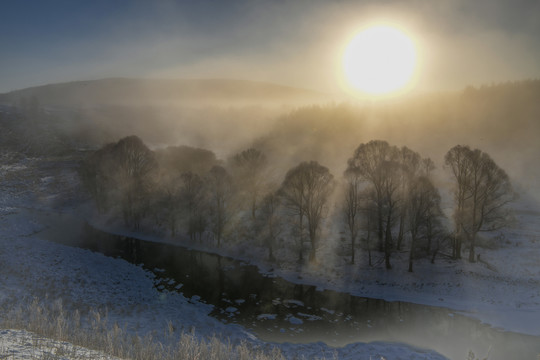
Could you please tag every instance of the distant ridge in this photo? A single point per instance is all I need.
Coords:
(132, 91)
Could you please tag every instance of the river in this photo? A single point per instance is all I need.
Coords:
(281, 311)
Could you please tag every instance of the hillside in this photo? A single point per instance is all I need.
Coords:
(502, 119)
(125, 91)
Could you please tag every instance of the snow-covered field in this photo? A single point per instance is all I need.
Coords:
(503, 290)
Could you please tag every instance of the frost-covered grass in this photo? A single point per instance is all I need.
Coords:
(45, 320)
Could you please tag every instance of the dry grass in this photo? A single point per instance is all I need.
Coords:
(52, 321)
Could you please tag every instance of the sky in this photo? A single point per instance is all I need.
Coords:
(298, 43)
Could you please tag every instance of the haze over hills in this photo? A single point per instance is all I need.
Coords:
(192, 92)
(290, 124)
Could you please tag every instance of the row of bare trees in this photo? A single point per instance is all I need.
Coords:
(389, 187)
(387, 197)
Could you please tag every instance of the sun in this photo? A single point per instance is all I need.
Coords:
(379, 60)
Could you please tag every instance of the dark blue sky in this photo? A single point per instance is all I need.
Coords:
(297, 43)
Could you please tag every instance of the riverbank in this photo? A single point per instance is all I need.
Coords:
(501, 290)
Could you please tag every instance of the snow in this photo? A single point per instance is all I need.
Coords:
(266, 317)
(20, 345)
(33, 267)
(310, 317)
(290, 302)
(331, 312)
(294, 320)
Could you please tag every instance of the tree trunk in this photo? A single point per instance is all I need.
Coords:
(471, 251)
(429, 235)
(387, 260)
(401, 231)
(369, 242)
(313, 241)
(271, 254)
(253, 208)
(474, 227)
(388, 242)
(434, 255)
(411, 252)
(456, 251)
(301, 244)
(352, 249)
(380, 228)
(312, 256)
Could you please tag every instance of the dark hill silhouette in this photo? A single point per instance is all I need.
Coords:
(127, 91)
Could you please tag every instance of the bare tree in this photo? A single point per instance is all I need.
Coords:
(135, 165)
(368, 207)
(192, 197)
(220, 192)
(248, 168)
(423, 212)
(96, 172)
(270, 222)
(166, 200)
(410, 162)
(306, 190)
(377, 164)
(483, 190)
(352, 209)
(457, 159)
(124, 173)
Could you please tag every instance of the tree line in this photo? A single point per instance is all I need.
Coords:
(386, 200)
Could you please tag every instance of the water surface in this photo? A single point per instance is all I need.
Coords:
(282, 311)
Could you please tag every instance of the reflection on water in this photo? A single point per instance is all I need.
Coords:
(278, 310)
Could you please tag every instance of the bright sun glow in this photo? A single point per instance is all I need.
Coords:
(379, 60)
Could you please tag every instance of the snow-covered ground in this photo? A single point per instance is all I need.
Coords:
(22, 345)
(31, 193)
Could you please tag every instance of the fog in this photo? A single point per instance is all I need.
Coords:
(291, 125)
